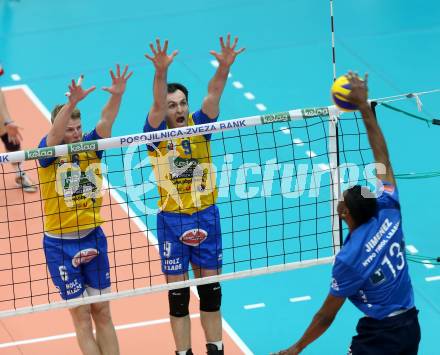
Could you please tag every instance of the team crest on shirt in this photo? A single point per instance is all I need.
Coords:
(194, 237)
(377, 277)
(334, 284)
(84, 256)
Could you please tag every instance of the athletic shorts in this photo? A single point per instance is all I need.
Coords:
(76, 264)
(397, 335)
(184, 238)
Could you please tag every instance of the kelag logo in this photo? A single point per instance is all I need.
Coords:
(313, 112)
(82, 147)
(275, 117)
(39, 153)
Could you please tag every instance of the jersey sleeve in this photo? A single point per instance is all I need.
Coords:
(199, 117)
(346, 281)
(45, 162)
(91, 136)
(148, 128)
(388, 196)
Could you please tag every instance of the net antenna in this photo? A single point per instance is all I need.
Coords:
(334, 149)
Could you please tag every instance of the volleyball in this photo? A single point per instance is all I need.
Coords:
(342, 86)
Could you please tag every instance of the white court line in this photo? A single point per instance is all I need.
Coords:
(285, 130)
(150, 236)
(298, 142)
(323, 166)
(427, 264)
(412, 249)
(300, 299)
(261, 107)
(237, 85)
(249, 95)
(15, 77)
(254, 306)
(72, 335)
(432, 278)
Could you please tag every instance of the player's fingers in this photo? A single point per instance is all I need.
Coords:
(176, 52)
(125, 71)
(222, 42)
(235, 43)
(165, 46)
(228, 40)
(112, 75)
(153, 49)
(159, 49)
(118, 70)
(129, 75)
(241, 50)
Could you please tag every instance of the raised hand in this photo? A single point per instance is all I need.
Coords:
(14, 134)
(228, 53)
(359, 89)
(161, 60)
(76, 93)
(119, 81)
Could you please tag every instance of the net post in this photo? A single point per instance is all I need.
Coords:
(335, 190)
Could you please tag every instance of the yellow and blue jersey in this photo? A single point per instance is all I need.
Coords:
(71, 190)
(183, 169)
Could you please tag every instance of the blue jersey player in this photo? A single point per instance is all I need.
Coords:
(371, 269)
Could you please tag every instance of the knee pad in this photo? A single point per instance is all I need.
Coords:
(178, 300)
(10, 147)
(210, 297)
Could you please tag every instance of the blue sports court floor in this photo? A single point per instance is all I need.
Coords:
(286, 65)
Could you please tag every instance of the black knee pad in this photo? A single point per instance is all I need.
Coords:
(210, 297)
(178, 300)
(10, 147)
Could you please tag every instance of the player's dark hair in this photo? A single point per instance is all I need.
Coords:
(361, 203)
(173, 87)
(75, 113)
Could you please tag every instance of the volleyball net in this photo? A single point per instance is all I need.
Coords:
(277, 179)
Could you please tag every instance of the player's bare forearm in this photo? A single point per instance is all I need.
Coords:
(108, 116)
(377, 142)
(320, 323)
(57, 131)
(4, 113)
(216, 87)
(158, 110)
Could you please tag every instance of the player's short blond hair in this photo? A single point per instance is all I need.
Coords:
(76, 114)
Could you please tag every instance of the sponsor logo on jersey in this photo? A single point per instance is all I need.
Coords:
(334, 284)
(193, 237)
(84, 256)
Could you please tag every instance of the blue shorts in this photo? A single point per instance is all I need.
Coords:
(392, 335)
(75, 264)
(184, 238)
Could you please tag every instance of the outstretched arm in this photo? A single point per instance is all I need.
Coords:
(75, 95)
(111, 109)
(216, 86)
(359, 97)
(7, 125)
(320, 323)
(161, 61)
